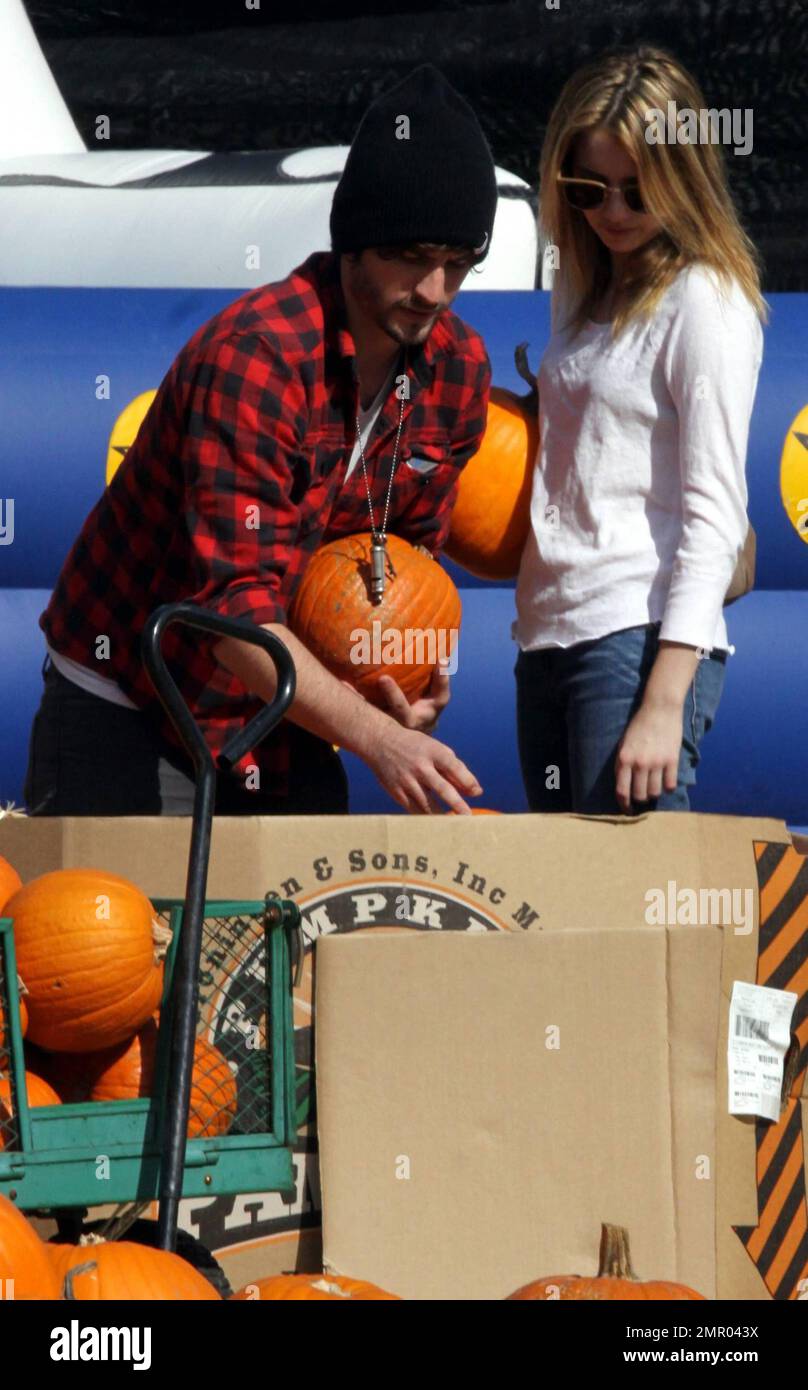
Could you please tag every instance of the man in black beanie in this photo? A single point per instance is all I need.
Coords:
(418, 183)
(346, 398)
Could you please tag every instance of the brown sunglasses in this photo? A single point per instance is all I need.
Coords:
(586, 194)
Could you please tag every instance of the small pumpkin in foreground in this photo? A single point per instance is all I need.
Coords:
(89, 947)
(312, 1286)
(24, 1257)
(98, 1270)
(334, 617)
(615, 1279)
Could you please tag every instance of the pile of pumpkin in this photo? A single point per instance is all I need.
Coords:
(100, 1271)
(96, 1270)
(90, 951)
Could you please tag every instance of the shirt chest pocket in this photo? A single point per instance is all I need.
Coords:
(421, 458)
(424, 477)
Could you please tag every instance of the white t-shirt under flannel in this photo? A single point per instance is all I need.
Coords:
(638, 509)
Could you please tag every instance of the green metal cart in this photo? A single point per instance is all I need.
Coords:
(57, 1160)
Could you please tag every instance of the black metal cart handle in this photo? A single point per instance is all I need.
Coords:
(162, 680)
(185, 983)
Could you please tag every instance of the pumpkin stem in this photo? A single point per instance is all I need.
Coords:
(67, 1289)
(523, 367)
(615, 1256)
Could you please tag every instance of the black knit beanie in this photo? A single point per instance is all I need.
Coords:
(419, 169)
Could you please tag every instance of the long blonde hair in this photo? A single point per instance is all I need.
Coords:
(684, 186)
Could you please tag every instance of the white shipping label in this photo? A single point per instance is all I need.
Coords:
(759, 1035)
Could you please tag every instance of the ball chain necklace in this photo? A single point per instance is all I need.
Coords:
(379, 559)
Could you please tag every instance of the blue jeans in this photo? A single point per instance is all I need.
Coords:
(573, 706)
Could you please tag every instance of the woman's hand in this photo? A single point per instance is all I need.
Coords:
(648, 756)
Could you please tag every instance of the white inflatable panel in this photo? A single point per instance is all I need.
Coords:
(321, 161)
(188, 219)
(33, 115)
(107, 168)
(330, 159)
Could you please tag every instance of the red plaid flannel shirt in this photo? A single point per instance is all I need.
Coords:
(258, 411)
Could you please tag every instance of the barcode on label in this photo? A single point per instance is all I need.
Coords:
(746, 1027)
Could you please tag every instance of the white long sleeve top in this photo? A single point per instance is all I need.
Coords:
(638, 508)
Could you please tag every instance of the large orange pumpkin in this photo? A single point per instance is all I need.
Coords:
(89, 947)
(129, 1072)
(100, 1271)
(491, 516)
(24, 1258)
(404, 636)
(10, 882)
(311, 1286)
(615, 1278)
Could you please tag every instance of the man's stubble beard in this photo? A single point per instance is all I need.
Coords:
(383, 316)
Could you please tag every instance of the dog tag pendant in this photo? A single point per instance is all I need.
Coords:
(378, 556)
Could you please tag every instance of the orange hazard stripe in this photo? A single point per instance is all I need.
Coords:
(798, 982)
(793, 1242)
(768, 1146)
(777, 885)
(780, 1192)
(778, 1245)
(772, 894)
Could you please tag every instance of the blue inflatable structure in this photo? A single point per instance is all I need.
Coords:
(56, 435)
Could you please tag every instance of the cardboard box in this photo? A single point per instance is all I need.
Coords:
(485, 1102)
(383, 886)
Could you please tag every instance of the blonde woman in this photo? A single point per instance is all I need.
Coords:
(638, 511)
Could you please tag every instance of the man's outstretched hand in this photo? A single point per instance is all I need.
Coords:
(420, 773)
(423, 775)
